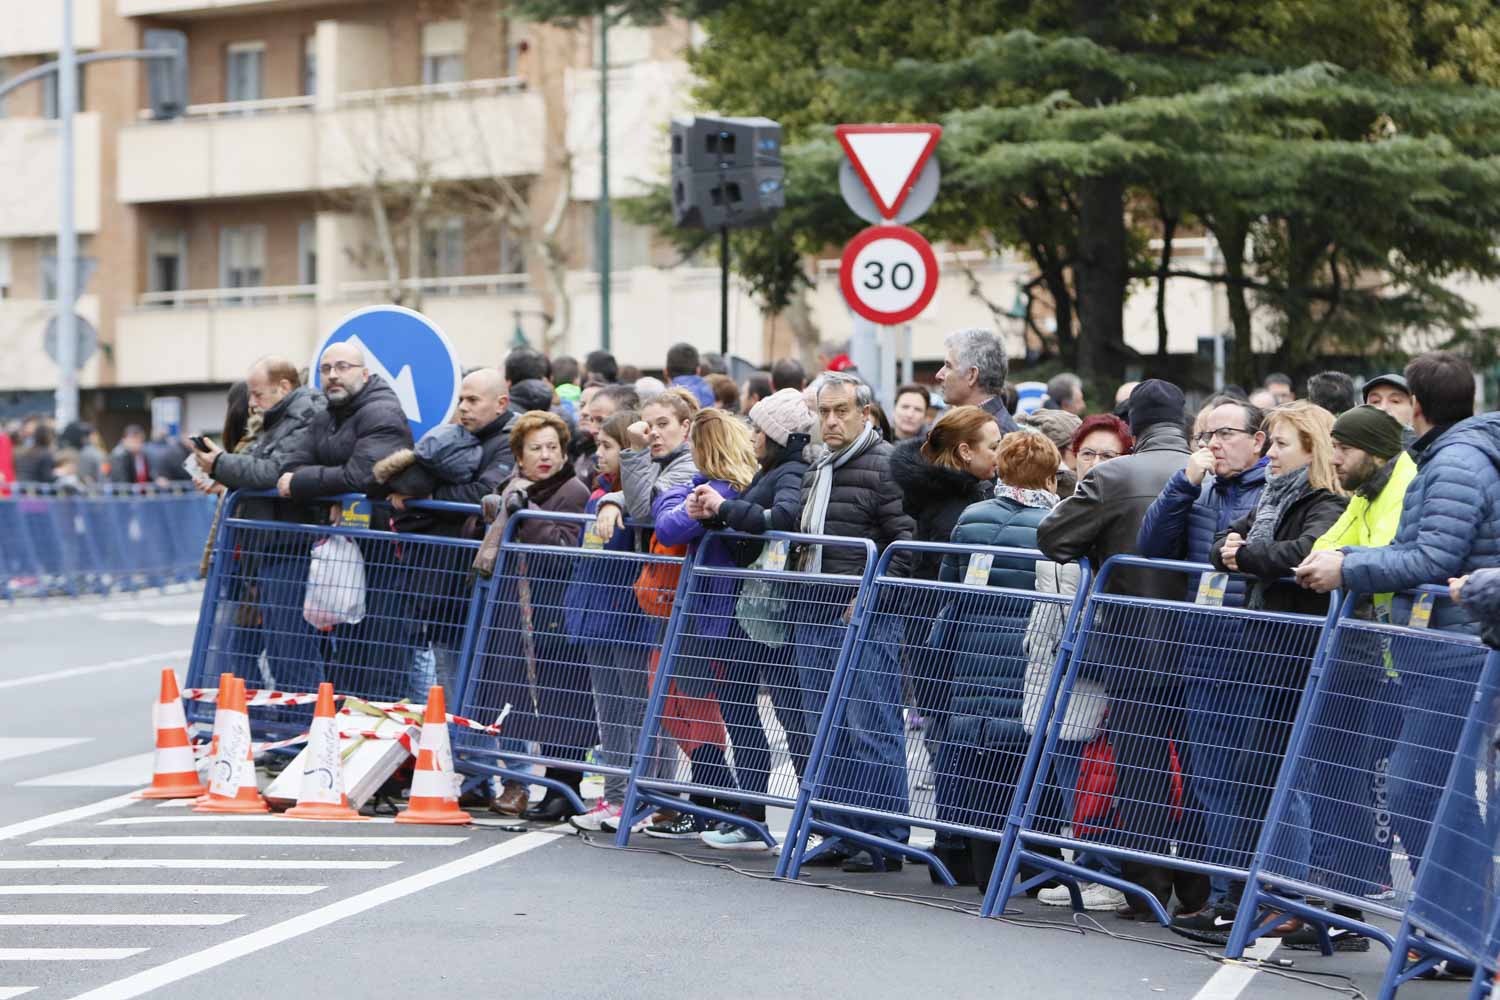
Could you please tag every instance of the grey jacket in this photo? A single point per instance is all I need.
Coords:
(282, 430)
(644, 478)
(1104, 516)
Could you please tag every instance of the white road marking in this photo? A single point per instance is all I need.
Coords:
(116, 919)
(250, 818)
(112, 889)
(65, 816)
(1230, 981)
(208, 958)
(97, 668)
(126, 772)
(71, 607)
(6, 992)
(25, 746)
(66, 954)
(211, 864)
(249, 841)
(174, 804)
(167, 618)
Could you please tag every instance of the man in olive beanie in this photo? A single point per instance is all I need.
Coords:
(1372, 466)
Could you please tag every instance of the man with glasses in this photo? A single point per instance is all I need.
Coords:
(1221, 484)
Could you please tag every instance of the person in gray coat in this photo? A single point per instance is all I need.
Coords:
(1101, 520)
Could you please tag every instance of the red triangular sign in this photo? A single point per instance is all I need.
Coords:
(888, 159)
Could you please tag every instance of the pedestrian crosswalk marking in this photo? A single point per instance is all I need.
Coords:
(195, 863)
(116, 919)
(66, 954)
(231, 841)
(24, 746)
(6, 992)
(124, 772)
(159, 890)
(158, 820)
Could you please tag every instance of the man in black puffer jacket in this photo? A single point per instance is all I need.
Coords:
(850, 492)
(287, 410)
(364, 422)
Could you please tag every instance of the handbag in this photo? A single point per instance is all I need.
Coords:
(656, 587)
(1096, 786)
(760, 609)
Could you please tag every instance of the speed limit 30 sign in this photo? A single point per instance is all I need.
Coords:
(888, 274)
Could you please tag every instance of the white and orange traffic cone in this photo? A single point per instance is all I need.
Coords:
(221, 698)
(233, 788)
(434, 784)
(322, 794)
(176, 775)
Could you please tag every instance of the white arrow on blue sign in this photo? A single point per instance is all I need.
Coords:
(409, 352)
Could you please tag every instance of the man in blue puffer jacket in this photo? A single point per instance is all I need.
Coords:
(1195, 506)
(1450, 527)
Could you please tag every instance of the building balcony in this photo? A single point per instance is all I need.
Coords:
(214, 8)
(33, 28)
(29, 158)
(475, 129)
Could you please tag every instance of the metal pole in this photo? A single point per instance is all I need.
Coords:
(724, 291)
(67, 233)
(603, 252)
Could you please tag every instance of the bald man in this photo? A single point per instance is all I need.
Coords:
(362, 424)
(483, 410)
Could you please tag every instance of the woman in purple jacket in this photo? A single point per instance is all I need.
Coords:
(709, 655)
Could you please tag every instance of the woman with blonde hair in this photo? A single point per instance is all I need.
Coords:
(712, 653)
(1302, 500)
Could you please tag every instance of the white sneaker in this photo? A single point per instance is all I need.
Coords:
(732, 838)
(1095, 896)
(813, 840)
(595, 819)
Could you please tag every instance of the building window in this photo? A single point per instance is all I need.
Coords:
(443, 248)
(309, 66)
(52, 100)
(512, 253)
(307, 252)
(242, 256)
(4, 269)
(443, 45)
(244, 71)
(517, 44)
(168, 260)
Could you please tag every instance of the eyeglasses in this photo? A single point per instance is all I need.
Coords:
(1099, 456)
(1224, 434)
(341, 367)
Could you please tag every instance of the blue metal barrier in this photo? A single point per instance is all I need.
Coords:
(113, 538)
(401, 608)
(1373, 745)
(560, 641)
(707, 735)
(1453, 913)
(1200, 706)
(983, 663)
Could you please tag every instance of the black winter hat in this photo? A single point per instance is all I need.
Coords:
(1154, 402)
(1370, 429)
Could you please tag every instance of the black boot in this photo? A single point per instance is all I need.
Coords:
(1155, 880)
(555, 807)
(1192, 890)
(956, 853)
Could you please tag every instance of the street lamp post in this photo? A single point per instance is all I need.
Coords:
(603, 247)
(67, 230)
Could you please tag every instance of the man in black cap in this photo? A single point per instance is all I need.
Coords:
(1102, 519)
(1390, 393)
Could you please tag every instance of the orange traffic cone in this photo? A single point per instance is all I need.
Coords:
(434, 785)
(322, 795)
(176, 776)
(221, 698)
(233, 789)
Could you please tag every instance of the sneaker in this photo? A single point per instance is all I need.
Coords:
(593, 821)
(1305, 938)
(685, 827)
(1095, 896)
(1381, 895)
(1211, 925)
(732, 838)
(813, 840)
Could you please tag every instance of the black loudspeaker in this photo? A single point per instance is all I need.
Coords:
(726, 172)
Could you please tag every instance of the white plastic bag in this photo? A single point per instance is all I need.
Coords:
(335, 584)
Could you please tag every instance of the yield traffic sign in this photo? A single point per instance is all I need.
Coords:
(888, 274)
(888, 159)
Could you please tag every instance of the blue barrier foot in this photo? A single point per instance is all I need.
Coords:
(1075, 873)
(526, 777)
(1272, 910)
(882, 844)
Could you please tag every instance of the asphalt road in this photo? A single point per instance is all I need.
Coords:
(103, 896)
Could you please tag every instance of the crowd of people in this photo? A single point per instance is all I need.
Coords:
(74, 459)
(1375, 489)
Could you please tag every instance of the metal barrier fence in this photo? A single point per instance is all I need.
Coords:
(1373, 746)
(562, 641)
(287, 605)
(707, 733)
(1453, 914)
(116, 538)
(1195, 690)
(983, 663)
